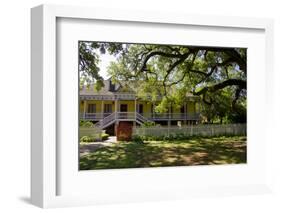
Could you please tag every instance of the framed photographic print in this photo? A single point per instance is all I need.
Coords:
(146, 110)
(132, 106)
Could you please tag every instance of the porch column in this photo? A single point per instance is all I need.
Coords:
(169, 119)
(186, 111)
(102, 109)
(84, 111)
(170, 111)
(153, 107)
(116, 107)
(199, 107)
(135, 112)
(135, 108)
(169, 128)
(185, 114)
(195, 111)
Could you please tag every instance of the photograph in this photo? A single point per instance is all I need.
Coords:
(145, 105)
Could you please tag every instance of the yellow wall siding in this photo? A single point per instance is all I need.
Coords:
(146, 106)
(110, 102)
(98, 105)
(130, 104)
(191, 106)
(81, 107)
(176, 109)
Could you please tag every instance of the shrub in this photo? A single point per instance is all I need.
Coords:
(171, 137)
(166, 138)
(104, 136)
(84, 123)
(137, 139)
(87, 139)
(90, 138)
(148, 124)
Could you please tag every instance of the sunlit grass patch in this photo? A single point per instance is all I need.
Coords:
(195, 151)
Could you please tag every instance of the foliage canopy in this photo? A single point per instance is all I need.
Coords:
(218, 75)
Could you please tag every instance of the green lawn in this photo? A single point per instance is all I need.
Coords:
(197, 151)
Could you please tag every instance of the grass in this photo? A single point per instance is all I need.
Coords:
(196, 151)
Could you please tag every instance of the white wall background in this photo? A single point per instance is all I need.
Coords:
(15, 103)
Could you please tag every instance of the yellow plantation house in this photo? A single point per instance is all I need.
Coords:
(113, 104)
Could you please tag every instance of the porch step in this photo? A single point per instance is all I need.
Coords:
(120, 116)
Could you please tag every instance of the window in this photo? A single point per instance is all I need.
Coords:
(91, 108)
(140, 109)
(124, 108)
(182, 109)
(108, 108)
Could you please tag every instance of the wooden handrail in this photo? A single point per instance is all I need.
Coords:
(141, 118)
(149, 116)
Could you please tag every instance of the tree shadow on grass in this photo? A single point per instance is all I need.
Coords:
(159, 154)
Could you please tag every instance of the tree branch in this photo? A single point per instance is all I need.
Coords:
(181, 60)
(168, 55)
(226, 83)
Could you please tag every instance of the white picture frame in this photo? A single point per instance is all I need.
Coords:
(45, 178)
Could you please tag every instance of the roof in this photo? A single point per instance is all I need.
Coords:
(110, 90)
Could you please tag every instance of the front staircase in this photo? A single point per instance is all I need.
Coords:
(120, 116)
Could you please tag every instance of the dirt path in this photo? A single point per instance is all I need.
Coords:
(91, 147)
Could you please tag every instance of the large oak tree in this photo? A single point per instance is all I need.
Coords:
(218, 75)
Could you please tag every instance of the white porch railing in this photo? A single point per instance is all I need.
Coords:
(106, 119)
(171, 116)
(120, 116)
(126, 115)
(141, 119)
(94, 116)
(145, 116)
